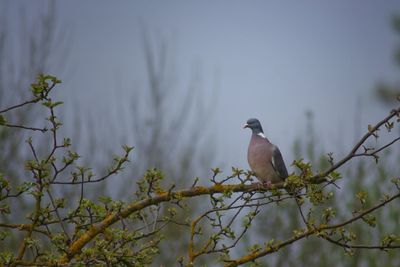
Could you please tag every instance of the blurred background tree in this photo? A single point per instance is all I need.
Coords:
(171, 133)
(388, 93)
(36, 47)
(167, 129)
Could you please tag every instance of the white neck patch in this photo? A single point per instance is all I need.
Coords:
(261, 134)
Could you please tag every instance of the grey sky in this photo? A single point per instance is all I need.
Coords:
(272, 60)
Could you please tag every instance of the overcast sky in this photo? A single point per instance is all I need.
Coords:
(272, 60)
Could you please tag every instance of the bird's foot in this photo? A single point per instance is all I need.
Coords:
(267, 184)
(262, 185)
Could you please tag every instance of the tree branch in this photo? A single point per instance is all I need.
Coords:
(314, 231)
(352, 153)
(345, 245)
(96, 229)
(25, 127)
(35, 100)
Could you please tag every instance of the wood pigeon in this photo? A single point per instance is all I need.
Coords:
(264, 158)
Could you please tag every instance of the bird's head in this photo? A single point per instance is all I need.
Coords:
(254, 125)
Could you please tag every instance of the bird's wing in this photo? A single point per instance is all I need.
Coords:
(278, 164)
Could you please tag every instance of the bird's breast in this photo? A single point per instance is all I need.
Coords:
(259, 157)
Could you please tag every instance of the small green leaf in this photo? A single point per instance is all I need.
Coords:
(216, 171)
(2, 120)
(47, 104)
(105, 199)
(51, 104)
(362, 196)
(127, 148)
(4, 209)
(370, 220)
(55, 104)
(66, 142)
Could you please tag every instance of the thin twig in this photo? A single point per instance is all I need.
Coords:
(357, 146)
(35, 100)
(271, 249)
(345, 245)
(25, 127)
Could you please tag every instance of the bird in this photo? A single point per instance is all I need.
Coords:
(266, 161)
(264, 158)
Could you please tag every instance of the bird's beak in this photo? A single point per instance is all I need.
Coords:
(246, 126)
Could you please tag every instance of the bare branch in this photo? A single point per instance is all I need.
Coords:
(25, 127)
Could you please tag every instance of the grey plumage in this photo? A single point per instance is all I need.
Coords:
(264, 158)
(279, 164)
